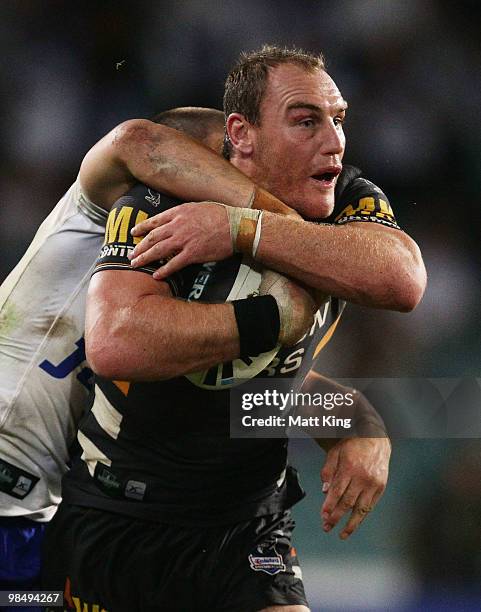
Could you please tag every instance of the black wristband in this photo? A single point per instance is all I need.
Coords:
(259, 324)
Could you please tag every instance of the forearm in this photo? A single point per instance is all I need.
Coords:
(165, 160)
(158, 338)
(136, 330)
(359, 262)
(365, 421)
(170, 161)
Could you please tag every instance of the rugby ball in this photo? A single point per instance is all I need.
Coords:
(246, 277)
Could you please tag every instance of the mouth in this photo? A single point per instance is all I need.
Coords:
(328, 176)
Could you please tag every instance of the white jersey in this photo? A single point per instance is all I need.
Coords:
(44, 379)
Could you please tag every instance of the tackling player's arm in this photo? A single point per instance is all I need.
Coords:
(166, 160)
(355, 471)
(171, 162)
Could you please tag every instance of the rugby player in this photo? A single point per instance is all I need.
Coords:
(159, 479)
(45, 378)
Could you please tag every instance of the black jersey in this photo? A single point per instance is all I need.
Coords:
(161, 450)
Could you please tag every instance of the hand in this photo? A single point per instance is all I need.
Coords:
(296, 305)
(196, 232)
(354, 476)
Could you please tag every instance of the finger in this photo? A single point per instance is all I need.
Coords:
(157, 252)
(144, 227)
(335, 493)
(173, 265)
(329, 468)
(345, 504)
(364, 504)
(153, 237)
(377, 496)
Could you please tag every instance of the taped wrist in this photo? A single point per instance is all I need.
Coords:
(246, 223)
(245, 229)
(258, 322)
(263, 200)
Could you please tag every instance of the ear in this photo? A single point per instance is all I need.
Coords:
(240, 133)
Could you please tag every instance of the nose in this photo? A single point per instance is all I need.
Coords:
(333, 139)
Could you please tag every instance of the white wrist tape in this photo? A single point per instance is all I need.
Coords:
(245, 229)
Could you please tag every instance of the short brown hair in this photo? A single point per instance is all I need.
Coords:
(195, 121)
(246, 82)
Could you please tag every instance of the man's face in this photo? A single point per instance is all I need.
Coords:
(299, 142)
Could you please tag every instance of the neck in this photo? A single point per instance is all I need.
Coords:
(247, 167)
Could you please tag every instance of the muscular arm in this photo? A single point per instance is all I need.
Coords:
(355, 471)
(366, 421)
(337, 260)
(364, 263)
(165, 160)
(136, 330)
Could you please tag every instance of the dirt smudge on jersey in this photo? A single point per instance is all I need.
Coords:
(59, 326)
(9, 318)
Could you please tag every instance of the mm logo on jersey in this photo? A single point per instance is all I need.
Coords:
(120, 222)
(368, 207)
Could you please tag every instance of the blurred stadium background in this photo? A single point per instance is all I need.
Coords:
(410, 70)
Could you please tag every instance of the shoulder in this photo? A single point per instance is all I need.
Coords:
(359, 199)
